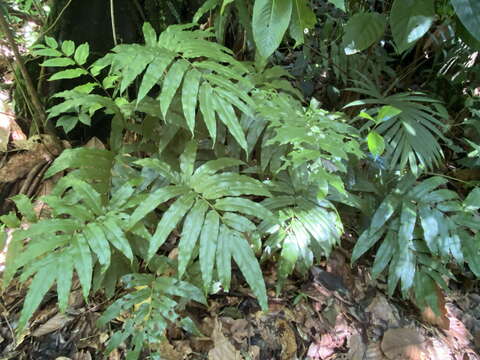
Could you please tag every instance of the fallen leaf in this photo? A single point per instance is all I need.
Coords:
(382, 312)
(223, 349)
(403, 344)
(441, 320)
(357, 348)
(374, 352)
(53, 324)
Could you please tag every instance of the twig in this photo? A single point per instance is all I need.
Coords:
(39, 116)
(112, 17)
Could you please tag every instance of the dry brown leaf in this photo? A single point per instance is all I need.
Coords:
(382, 312)
(374, 352)
(403, 344)
(95, 143)
(53, 324)
(114, 355)
(223, 349)
(357, 348)
(437, 350)
(431, 317)
(168, 351)
(82, 355)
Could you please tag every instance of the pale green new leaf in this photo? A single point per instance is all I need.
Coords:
(58, 62)
(376, 144)
(270, 22)
(82, 53)
(169, 221)
(68, 47)
(410, 20)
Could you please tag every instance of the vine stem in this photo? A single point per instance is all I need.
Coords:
(112, 16)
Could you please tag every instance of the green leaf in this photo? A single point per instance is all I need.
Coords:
(83, 263)
(191, 230)
(224, 257)
(189, 96)
(58, 62)
(47, 52)
(270, 22)
(384, 212)
(405, 267)
(154, 73)
(468, 12)
(365, 242)
(363, 30)
(303, 18)
(227, 115)
(68, 74)
(98, 243)
(24, 205)
(207, 107)
(471, 249)
(187, 160)
(68, 47)
(51, 42)
(64, 279)
(82, 53)
(229, 184)
(338, 3)
(116, 237)
(41, 283)
(288, 257)
(207, 6)
(171, 83)
(387, 112)
(247, 262)
(212, 166)
(376, 144)
(472, 202)
(384, 254)
(149, 35)
(208, 247)
(169, 221)
(410, 20)
(154, 199)
(243, 206)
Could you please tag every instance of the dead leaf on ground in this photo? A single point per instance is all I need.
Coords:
(223, 349)
(382, 312)
(374, 352)
(53, 324)
(403, 344)
(357, 348)
(441, 320)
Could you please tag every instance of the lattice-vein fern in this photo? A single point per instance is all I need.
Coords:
(209, 77)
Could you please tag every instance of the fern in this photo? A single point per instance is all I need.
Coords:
(309, 226)
(152, 303)
(422, 226)
(412, 134)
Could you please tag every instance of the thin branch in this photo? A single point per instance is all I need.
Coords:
(112, 16)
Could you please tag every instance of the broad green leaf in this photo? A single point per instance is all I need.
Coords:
(224, 257)
(376, 144)
(426, 186)
(270, 22)
(207, 107)
(65, 264)
(384, 212)
(243, 206)
(169, 221)
(207, 6)
(116, 237)
(68, 47)
(238, 222)
(229, 184)
(387, 112)
(154, 73)
(51, 42)
(176, 287)
(47, 52)
(58, 62)
(149, 35)
(338, 3)
(303, 18)
(405, 266)
(365, 242)
(471, 249)
(227, 115)
(363, 30)
(468, 12)
(426, 292)
(430, 220)
(191, 230)
(212, 166)
(68, 74)
(98, 244)
(208, 247)
(41, 283)
(187, 160)
(25, 206)
(288, 257)
(83, 263)
(384, 254)
(189, 97)
(153, 200)
(410, 20)
(82, 53)
(171, 83)
(472, 202)
(247, 262)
